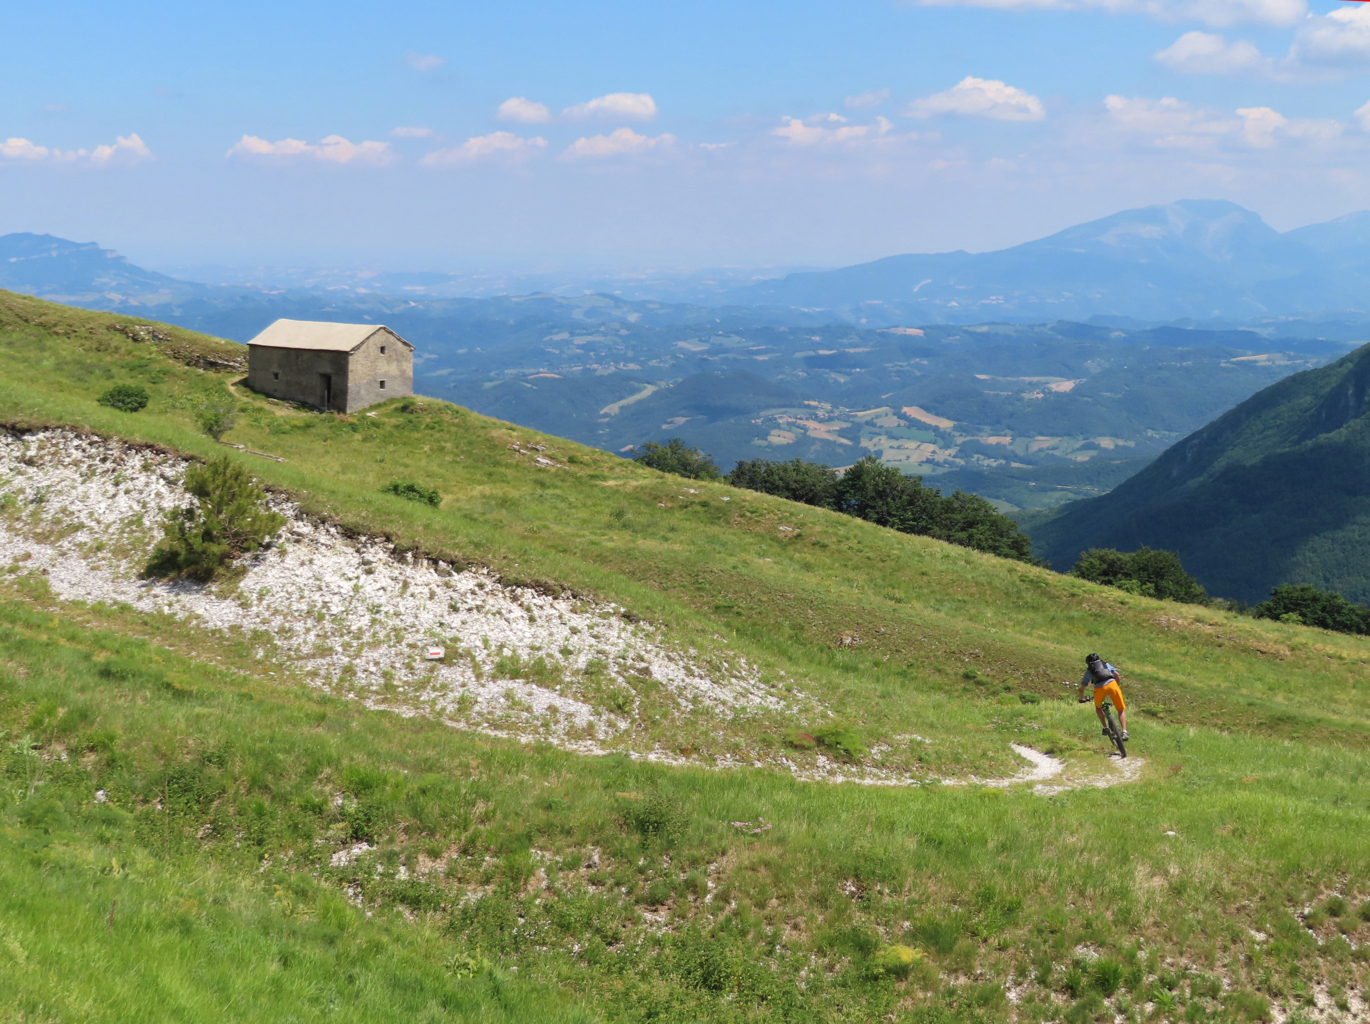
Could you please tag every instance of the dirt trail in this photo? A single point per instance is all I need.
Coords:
(1049, 775)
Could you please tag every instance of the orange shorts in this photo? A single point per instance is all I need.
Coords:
(1109, 689)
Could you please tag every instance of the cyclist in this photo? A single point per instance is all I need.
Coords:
(1105, 679)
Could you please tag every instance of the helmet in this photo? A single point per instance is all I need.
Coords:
(1090, 659)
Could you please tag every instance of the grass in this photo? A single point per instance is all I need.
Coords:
(619, 889)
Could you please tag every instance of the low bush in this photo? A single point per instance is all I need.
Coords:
(225, 520)
(844, 743)
(125, 398)
(217, 418)
(414, 492)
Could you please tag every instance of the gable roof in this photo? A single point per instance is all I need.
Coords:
(319, 336)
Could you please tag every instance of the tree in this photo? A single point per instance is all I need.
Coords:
(797, 480)
(1306, 604)
(972, 522)
(226, 519)
(881, 494)
(1144, 571)
(675, 457)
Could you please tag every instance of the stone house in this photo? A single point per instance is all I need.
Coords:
(343, 367)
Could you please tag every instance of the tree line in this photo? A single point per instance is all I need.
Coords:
(867, 490)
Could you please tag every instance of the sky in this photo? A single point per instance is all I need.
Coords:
(455, 136)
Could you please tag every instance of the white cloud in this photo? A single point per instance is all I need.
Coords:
(868, 100)
(828, 129)
(980, 97)
(1203, 53)
(1362, 116)
(622, 142)
(127, 149)
(634, 106)
(501, 145)
(424, 61)
(524, 111)
(1177, 125)
(1219, 13)
(332, 149)
(1338, 39)
(411, 132)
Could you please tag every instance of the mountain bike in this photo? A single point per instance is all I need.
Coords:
(1111, 727)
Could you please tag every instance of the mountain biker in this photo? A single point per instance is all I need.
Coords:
(1105, 679)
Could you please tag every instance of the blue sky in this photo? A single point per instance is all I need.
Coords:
(455, 136)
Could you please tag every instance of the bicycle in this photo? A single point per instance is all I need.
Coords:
(1110, 724)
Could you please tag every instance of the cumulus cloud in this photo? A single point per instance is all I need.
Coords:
(828, 129)
(524, 111)
(424, 61)
(868, 100)
(1338, 39)
(411, 132)
(633, 106)
(332, 149)
(1175, 124)
(980, 97)
(622, 142)
(126, 149)
(1203, 53)
(505, 146)
(1218, 13)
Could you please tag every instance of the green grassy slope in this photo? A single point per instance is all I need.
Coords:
(1272, 492)
(539, 883)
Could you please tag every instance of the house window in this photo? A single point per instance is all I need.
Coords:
(382, 350)
(275, 374)
(382, 385)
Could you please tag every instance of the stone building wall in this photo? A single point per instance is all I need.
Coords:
(370, 366)
(296, 375)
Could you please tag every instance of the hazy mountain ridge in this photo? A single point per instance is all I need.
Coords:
(1193, 258)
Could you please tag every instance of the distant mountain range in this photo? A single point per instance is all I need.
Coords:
(1195, 259)
(1203, 263)
(1277, 490)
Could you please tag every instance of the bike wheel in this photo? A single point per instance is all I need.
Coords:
(1114, 732)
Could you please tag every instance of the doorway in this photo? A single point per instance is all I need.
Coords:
(326, 384)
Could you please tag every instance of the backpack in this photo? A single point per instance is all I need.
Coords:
(1100, 671)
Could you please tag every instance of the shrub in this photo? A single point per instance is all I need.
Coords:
(125, 398)
(414, 492)
(1107, 976)
(1144, 572)
(703, 962)
(897, 961)
(844, 743)
(1248, 1005)
(675, 457)
(225, 520)
(657, 818)
(1302, 604)
(217, 418)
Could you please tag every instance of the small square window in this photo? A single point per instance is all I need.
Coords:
(275, 374)
(382, 350)
(382, 385)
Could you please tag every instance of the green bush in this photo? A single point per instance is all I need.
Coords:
(414, 492)
(844, 743)
(797, 480)
(225, 520)
(657, 818)
(1302, 604)
(1145, 572)
(125, 398)
(217, 418)
(676, 457)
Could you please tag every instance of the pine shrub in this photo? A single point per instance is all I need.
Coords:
(414, 492)
(225, 520)
(125, 398)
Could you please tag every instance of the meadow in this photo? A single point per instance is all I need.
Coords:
(184, 817)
